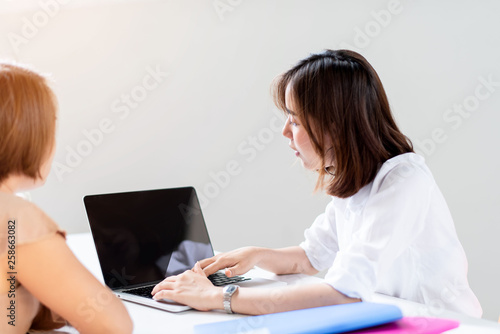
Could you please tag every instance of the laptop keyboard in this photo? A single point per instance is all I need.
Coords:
(220, 279)
(217, 279)
(143, 291)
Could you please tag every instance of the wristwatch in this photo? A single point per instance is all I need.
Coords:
(228, 292)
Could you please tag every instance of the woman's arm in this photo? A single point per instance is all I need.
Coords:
(50, 271)
(290, 260)
(194, 289)
(262, 301)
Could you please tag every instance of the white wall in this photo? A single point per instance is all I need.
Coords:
(215, 102)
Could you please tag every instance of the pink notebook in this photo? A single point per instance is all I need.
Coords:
(413, 325)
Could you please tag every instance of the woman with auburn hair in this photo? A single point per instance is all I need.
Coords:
(42, 284)
(387, 229)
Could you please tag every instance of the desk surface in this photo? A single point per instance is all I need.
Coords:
(150, 320)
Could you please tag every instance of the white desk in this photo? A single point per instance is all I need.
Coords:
(149, 320)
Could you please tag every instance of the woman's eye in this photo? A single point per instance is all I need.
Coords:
(291, 121)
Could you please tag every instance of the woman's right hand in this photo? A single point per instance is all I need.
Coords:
(236, 262)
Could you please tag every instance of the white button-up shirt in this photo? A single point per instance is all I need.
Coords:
(395, 236)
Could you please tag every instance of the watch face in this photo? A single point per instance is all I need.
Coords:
(230, 289)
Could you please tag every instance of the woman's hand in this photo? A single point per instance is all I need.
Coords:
(191, 288)
(236, 262)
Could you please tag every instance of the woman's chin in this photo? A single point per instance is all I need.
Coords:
(311, 167)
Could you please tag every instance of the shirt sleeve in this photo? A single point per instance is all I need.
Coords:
(321, 244)
(392, 217)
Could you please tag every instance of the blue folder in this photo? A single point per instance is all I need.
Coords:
(326, 319)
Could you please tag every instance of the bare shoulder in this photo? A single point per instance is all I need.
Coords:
(30, 222)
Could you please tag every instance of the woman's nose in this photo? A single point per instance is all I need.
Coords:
(287, 132)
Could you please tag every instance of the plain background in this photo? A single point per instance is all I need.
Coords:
(210, 122)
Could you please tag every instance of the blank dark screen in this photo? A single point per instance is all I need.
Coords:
(144, 236)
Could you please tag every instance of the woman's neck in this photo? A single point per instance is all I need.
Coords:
(15, 183)
(6, 188)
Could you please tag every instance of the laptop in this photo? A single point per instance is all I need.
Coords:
(141, 237)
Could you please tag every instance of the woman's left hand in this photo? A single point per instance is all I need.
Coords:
(190, 288)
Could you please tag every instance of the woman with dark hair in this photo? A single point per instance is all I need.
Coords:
(42, 284)
(387, 229)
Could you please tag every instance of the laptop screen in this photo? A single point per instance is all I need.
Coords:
(145, 236)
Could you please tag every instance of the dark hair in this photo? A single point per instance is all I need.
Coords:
(27, 121)
(339, 97)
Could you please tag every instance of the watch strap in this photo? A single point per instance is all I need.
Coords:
(228, 292)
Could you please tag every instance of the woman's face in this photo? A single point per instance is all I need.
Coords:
(299, 139)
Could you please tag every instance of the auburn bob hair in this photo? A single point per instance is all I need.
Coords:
(28, 110)
(339, 99)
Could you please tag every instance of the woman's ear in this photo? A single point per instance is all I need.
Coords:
(329, 154)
